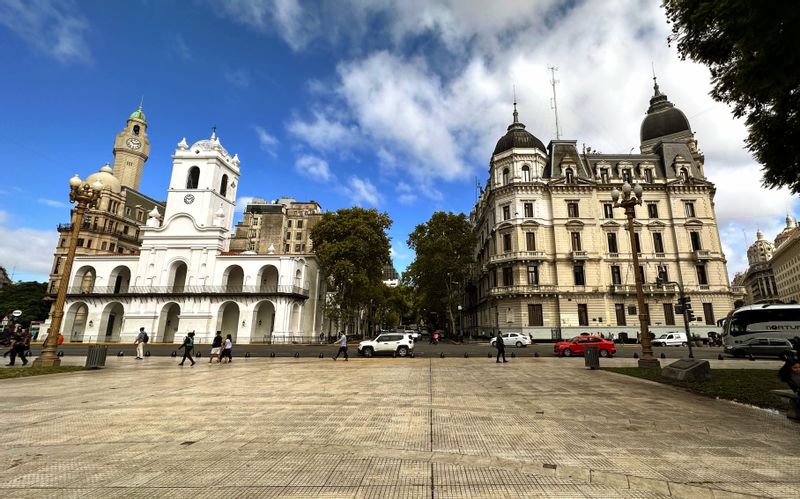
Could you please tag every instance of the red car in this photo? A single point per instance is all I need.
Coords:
(576, 345)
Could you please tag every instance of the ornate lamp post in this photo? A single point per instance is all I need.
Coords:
(628, 199)
(84, 196)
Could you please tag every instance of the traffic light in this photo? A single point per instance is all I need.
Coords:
(685, 307)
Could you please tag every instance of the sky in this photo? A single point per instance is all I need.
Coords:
(391, 105)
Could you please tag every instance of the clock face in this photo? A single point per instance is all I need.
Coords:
(134, 143)
(188, 199)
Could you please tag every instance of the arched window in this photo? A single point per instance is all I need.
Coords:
(136, 129)
(193, 179)
(569, 175)
(526, 173)
(684, 174)
(223, 186)
(505, 176)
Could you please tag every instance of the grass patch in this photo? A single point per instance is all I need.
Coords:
(21, 372)
(748, 386)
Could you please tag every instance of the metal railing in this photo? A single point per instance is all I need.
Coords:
(523, 289)
(101, 230)
(647, 288)
(517, 255)
(280, 289)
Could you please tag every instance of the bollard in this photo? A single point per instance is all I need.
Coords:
(247, 355)
(173, 354)
(412, 355)
(635, 355)
(720, 357)
(441, 355)
(750, 357)
(663, 355)
(198, 355)
(466, 355)
(321, 356)
(120, 354)
(60, 353)
(297, 355)
(272, 355)
(489, 355)
(513, 355)
(536, 354)
(147, 353)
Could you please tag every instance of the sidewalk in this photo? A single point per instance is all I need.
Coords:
(383, 428)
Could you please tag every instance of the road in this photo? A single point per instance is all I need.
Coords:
(422, 349)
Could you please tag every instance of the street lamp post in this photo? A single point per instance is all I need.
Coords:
(84, 196)
(461, 322)
(661, 281)
(628, 199)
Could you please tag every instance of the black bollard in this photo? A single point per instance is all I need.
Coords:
(750, 357)
(536, 354)
(412, 355)
(297, 355)
(120, 354)
(489, 355)
(513, 355)
(247, 355)
(321, 356)
(272, 355)
(663, 355)
(147, 353)
(173, 354)
(198, 354)
(720, 357)
(441, 355)
(635, 355)
(60, 353)
(466, 355)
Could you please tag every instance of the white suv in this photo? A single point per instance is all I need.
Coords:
(516, 339)
(387, 343)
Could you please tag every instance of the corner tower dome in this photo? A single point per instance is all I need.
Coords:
(138, 115)
(517, 137)
(663, 118)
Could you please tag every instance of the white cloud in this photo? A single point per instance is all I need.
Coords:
(238, 78)
(242, 202)
(286, 17)
(267, 142)
(26, 251)
(53, 203)
(181, 47)
(362, 192)
(313, 167)
(324, 133)
(55, 28)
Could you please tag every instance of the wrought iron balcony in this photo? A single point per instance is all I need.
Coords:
(96, 229)
(517, 256)
(524, 289)
(579, 255)
(188, 290)
(630, 289)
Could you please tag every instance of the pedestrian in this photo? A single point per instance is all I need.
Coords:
(60, 339)
(321, 338)
(501, 347)
(227, 350)
(17, 349)
(790, 374)
(141, 341)
(342, 347)
(188, 345)
(216, 348)
(795, 344)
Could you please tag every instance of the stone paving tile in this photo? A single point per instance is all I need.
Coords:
(378, 428)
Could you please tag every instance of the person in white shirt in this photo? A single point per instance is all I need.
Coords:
(227, 348)
(342, 346)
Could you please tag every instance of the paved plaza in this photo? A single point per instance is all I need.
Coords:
(383, 428)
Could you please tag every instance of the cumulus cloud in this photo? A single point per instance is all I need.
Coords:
(324, 132)
(362, 192)
(55, 28)
(238, 78)
(266, 141)
(313, 167)
(285, 17)
(242, 202)
(17, 244)
(52, 203)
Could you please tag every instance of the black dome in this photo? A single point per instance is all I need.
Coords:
(662, 119)
(517, 136)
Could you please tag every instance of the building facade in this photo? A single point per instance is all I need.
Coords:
(785, 262)
(554, 256)
(759, 279)
(185, 276)
(280, 227)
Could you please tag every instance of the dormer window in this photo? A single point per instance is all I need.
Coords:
(604, 175)
(626, 175)
(648, 175)
(526, 173)
(136, 129)
(505, 176)
(684, 175)
(193, 179)
(569, 175)
(223, 186)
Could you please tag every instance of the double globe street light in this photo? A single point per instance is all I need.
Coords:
(84, 196)
(628, 199)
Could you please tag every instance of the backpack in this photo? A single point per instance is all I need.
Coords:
(145, 338)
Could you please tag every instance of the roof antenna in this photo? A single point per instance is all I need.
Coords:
(553, 102)
(516, 115)
(141, 102)
(655, 83)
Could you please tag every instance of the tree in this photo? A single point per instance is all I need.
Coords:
(444, 247)
(352, 247)
(752, 51)
(27, 297)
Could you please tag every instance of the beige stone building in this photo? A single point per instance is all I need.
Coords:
(554, 256)
(111, 227)
(280, 227)
(759, 280)
(785, 262)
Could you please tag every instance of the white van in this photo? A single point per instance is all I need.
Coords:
(670, 340)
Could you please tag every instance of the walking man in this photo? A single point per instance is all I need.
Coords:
(501, 347)
(141, 340)
(188, 345)
(342, 346)
(216, 348)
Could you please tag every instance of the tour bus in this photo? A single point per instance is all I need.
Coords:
(765, 320)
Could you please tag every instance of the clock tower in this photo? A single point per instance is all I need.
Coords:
(131, 150)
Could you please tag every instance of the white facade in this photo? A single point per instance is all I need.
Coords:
(184, 278)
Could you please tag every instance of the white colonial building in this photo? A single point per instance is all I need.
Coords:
(186, 279)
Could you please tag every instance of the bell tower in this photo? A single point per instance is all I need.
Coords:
(131, 150)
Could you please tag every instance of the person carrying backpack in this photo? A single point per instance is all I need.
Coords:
(188, 345)
(141, 341)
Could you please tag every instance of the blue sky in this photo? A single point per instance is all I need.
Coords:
(393, 105)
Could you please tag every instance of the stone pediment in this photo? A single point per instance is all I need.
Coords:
(611, 225)
(504, 226)
(530, 223)
(693, 222)
(657, 224)
(574, 224)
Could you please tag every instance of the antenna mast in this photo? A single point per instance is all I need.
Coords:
(553, 101)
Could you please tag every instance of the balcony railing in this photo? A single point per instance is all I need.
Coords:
(517, 255)
(519, 289)
(101, 230)
(579, 255)
(190, 290)
(630, 289)
(701, 254)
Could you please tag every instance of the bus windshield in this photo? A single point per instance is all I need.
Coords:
(783, 320)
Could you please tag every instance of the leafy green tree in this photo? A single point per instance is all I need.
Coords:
(352, 246)
(444, 247)
(752, 51)
(27, 297)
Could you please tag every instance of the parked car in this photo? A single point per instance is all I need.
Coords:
(670, 340)
(761, 347)
(517, 339)
(388, 343)
(576, 346)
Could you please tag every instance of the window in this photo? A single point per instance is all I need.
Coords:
(569, 175)
(575, 237)
(63, 242)
(223, 186)
(648, 175)
(619, 309)
(493, 278)
(535, 317)
(658, 242)
(604, 175)
(572, 209)
(626, 175)
(508, 276)
(127, 211)
(669, 314)
(57, 265)
(695, 237)
(505, 176)
(533, 274)
(652, 210)
(112, 247)
(702, 279)
(506, 242)
(506, 212)
(251, 246)
(530, 241)
(297, 247)
(88, 243)
(103, 245)
(662, 273)
(299, 224)
(288, 235)
(80, 242)
(136, 129)
(688, 207)
(298, 236)
(642, 274)
(612, 242)
(608, 210)
(193, 178)
(528, 210)
(616, 275)
(289, 224)
(684, 175)
(638, 243)
(285, 248)
(526, 173)
(708, 312)
(579, 277)
(583, 314)
(124, 229)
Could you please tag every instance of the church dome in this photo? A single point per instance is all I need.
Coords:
(210, 144)
(518, 137)
(107, 178)
(138, 115)
(663, 118)
(787, 231)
